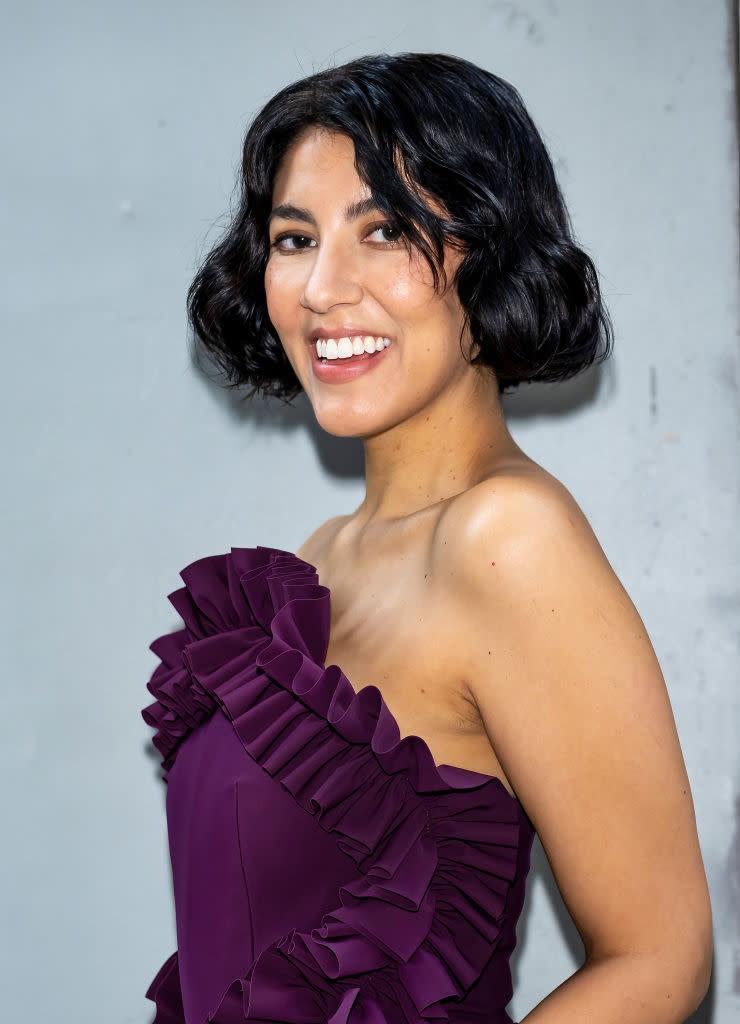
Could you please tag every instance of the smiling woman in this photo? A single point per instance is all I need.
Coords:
(351, 844)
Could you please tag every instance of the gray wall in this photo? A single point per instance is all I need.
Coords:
(121, 131)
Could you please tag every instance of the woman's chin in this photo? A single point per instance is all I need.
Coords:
(342, 420)
(344, 427)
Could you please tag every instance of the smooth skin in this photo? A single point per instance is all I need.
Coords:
(470, 589)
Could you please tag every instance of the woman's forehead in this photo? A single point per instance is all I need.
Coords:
(319, 161)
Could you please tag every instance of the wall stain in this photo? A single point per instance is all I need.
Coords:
(727, 370)
(516, 16)
(733, 57)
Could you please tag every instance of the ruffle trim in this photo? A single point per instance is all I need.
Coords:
(165, 992)
(437, 845)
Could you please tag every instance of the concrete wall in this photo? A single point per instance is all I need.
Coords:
(122, 124)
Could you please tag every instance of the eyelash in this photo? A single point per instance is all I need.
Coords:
(291, 235)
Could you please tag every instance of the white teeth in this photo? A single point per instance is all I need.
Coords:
(344, 348)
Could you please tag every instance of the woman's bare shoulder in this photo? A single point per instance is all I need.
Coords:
(518, 512)
(317, 543)
(518, 544)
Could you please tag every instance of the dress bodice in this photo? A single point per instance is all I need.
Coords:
(324, 869)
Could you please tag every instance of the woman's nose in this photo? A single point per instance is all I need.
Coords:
(333, 279)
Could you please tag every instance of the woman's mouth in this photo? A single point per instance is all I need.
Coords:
(341, 359)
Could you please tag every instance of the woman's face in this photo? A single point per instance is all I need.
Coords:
(339, 274)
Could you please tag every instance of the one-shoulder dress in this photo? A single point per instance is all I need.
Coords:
(325, 871)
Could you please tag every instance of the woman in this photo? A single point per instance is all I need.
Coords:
(351, 852)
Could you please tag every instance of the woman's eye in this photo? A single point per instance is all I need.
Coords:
(292, 243)
(388, 233)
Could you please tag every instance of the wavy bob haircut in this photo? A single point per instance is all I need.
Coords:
(425, 127)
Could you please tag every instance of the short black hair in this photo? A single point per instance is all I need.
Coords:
(425, 127)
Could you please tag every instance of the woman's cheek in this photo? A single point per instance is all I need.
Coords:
(270, 288)
(283, 289)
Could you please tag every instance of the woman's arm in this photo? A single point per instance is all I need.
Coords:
(577, 711)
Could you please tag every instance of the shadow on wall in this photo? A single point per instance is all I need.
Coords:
(342, 457)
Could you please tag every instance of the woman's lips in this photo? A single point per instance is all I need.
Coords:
(337, 371)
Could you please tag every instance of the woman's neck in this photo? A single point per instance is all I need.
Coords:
(444, 450)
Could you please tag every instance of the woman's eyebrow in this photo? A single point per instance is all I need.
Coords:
(360, 208)
(289, 212)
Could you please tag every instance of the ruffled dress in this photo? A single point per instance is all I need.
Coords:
(325, 871)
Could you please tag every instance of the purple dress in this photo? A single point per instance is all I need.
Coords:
(325, 871)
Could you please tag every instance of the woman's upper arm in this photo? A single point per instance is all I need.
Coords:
(574, 702)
